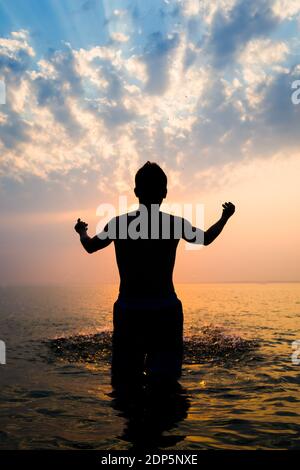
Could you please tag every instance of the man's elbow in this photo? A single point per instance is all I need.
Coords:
(206, 239)
(89, 249)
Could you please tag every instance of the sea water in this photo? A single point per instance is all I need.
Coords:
(239, 388)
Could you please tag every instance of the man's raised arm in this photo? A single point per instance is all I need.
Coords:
(214, 231)
(91, 244)
(207, 237)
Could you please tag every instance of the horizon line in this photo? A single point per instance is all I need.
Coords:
(74, 283)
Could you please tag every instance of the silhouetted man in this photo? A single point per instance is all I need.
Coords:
(147, 317)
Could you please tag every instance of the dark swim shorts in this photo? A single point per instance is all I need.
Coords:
(147, 339)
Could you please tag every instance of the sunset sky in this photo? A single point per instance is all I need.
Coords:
(95, 88)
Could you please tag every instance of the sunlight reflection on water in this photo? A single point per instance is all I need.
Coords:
(240, 388)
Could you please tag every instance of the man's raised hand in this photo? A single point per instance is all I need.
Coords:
(81, 227)
(228, 209)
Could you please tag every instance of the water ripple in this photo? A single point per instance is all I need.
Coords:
(211, 343)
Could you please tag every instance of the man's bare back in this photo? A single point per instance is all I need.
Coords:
(145, 248)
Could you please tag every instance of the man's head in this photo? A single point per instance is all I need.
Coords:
(150, 184)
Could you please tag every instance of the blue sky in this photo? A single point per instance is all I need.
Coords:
(95, 88)
(52, 22)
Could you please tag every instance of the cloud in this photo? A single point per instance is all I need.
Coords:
(119, 37)
(13, 130)
(53, 90)
(231, 32)
(286, 9)
(94, 114)
(157, 57)
(114, 114)
(16, 55)
(16, 58)
(278, 118)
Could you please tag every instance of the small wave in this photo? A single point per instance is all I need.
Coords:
(83, 348)
(217, 344)
(211, 343)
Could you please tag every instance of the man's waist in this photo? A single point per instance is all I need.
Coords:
(147, 302)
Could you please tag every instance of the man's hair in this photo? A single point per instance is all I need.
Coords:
(151, 181)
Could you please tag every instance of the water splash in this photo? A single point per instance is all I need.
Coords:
(212, 343)
(216, 344)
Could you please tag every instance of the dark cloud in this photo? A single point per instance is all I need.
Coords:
(277, 121)
(218, 133)
(14, 64)
(65, 65)
(14, 130)
(114, 116)
(194, 29)
(15, 60)
(247, 20)
(111, 108)
(189, 58)
(88, 5)
(157, 56)
(114, 78)
(51, 92)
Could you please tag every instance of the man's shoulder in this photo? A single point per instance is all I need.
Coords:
(125, 216)
(173, 218)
